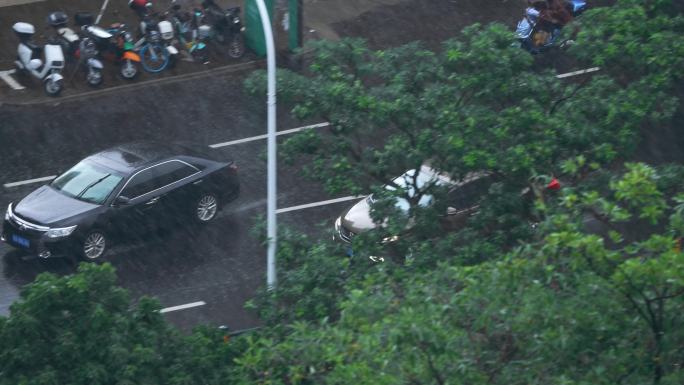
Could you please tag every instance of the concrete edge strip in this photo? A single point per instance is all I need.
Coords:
(316, 204)
(182, 307)
(174, 79)
(215, 71)
(29, 181)
(258, 137)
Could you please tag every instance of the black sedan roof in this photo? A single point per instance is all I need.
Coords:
(129, 157)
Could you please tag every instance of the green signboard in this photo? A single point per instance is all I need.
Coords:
(294, 36)
(254, 32)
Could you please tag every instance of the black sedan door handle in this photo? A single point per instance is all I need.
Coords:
(152, 201)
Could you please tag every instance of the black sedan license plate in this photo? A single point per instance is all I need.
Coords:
(21, 241)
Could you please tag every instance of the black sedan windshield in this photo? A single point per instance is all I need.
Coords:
(87, 182)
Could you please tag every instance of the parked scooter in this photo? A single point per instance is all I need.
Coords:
(168, 39)
(186, 32)
(87, 58)
(155, 53)
(68, 38)
(122, 51)
(115, 44)
(83, 50)
(28, 59)
(535, 38)
(224, 27)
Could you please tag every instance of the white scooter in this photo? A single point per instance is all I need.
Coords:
(28, 59)
(84, 49)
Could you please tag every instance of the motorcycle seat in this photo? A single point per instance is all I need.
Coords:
(36, 50)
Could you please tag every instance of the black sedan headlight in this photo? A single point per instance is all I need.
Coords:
(60, 232)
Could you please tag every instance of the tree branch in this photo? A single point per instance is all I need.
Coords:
(431, 365)
(572, 94)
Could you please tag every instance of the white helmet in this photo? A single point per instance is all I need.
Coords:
(24, 28)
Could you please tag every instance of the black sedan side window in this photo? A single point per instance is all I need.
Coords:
(173, 171)
(157, 177)
(141, 183)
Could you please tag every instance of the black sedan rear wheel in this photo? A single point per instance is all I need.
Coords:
(206, 208)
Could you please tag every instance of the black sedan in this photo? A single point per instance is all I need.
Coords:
(126, 190)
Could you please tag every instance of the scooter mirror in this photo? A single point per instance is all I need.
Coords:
(34, 64)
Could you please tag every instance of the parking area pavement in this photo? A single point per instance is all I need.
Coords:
(382, 22)
(16, 88)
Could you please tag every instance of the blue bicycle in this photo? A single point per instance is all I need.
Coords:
(153, 54)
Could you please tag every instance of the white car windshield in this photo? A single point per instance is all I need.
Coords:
(87, 182)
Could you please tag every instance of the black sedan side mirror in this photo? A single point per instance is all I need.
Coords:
(122, 200)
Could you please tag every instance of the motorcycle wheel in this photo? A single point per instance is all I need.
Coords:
(236, 47)
(94, 77)
(200, 57)
(154, 57)
(53, 87)
(128, 70)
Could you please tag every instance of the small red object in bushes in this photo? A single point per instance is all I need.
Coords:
(554, 184)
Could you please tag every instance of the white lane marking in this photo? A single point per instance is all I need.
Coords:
(29, 181)
(10, 3)
(316, 204)
(325, 124)
(99, 15)
(580, 72)
(259, 137)
(245, 140)
(6, 76)
(182, 307)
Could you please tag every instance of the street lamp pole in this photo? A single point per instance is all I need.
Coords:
(271, 279)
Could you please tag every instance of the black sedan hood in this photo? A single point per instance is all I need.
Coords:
(47, 206)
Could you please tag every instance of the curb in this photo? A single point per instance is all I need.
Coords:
(174, 79)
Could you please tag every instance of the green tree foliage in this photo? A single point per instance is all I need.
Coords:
(588, 301)
(635, 39)
(592, 294)
(477, 105)
(83, 329)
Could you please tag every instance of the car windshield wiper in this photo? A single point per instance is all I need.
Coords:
(88, 187)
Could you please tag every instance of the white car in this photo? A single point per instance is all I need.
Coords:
(463, 198)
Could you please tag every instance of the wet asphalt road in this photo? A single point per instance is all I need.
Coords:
(221, 264)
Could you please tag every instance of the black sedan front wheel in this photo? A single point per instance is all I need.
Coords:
(94, 246)
(206, 208)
